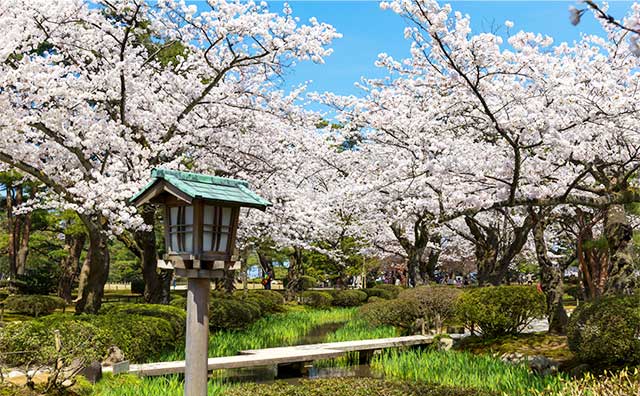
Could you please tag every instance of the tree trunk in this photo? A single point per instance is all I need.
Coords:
(11, 228)
(70, 265)
(267, 266)
(22, 242)
(485, 240)
(414, 264)
(592, 258)
(95, 269)
(621, 279)
(414, 249)
(552, 282)
(428, 267)
(156, 285)
(229, 283)
(293, 275)
(493, 257)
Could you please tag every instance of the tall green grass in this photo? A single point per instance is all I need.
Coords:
(356, 329)
(276, 330)
(462, 369)
(283, 329)
(130, 385)
(359, 329)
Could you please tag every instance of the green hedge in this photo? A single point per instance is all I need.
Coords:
(142, 333)
(306, 282)
(348, 298)
(414, 310)
(380, 293)
(399, 313)
(178, 302)
(232, 314)
(270, 301)
(34, 304)
(316, 299)
(175, 316)
(390, 288)
(435, 305)
(139, 337)
(496, 311)
(33, 341)
(606, 331)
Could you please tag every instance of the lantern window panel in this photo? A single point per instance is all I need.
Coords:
(216, 228)
(181, 229)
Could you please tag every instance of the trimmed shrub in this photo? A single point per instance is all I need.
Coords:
(399, 313)
(606, 331)
(178, 302)
(391, 288)
(34, 341)
(41, 281)
(380, 293)
(435, 305)
(375, 299)
(348, 298)
(306, 282)
(33, 304)
(573, 291)
(496, 311)
(269, 301)
(137, 286)
(175, 316)
(316, 299)
(232, 314)
(140, 338)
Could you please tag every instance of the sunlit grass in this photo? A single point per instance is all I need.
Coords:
(354, 330)
(464, 370)
(283, 329)
(130, 385)
(361, 330)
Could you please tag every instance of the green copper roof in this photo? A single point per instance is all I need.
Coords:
(197, 185)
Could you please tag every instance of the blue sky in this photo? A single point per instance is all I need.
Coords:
(368, 31)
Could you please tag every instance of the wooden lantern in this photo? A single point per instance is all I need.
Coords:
(200, 219)
(200, 222)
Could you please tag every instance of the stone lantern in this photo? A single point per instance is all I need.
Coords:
(201, 215)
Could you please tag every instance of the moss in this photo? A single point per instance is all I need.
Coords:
(552, 346)
(350, 387)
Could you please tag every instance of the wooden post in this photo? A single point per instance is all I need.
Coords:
(197, 338)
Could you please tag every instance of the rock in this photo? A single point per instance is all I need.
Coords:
(93, 372)
(445, 343)
(114, 355)
(579, 370)
(455, 330)
(14, 374)
(542, 365)
(514, 357)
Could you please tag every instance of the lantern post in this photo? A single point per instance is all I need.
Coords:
(201, 214)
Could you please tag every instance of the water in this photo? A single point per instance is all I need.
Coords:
(319, 334)
(293, 373)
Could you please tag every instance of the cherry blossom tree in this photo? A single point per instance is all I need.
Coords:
(468, 125)
(94, 95)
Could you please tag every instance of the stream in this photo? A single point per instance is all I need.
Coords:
(317, 369)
